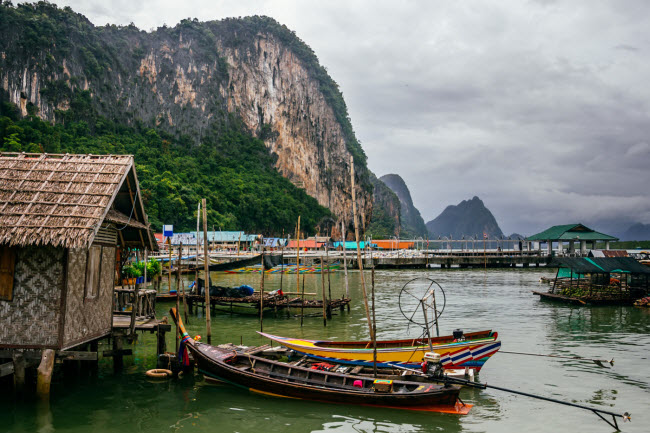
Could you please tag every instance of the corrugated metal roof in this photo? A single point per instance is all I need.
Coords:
(599, 265)
(568, 232)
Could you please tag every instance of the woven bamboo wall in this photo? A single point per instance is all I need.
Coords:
(87, 319)
(31, 319)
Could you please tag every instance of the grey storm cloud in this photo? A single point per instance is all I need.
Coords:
(541, 108)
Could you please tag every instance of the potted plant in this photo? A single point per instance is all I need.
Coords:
(131, 272)
(154, 271)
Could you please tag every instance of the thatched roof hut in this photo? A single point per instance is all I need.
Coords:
(62, 218)
(62, 200)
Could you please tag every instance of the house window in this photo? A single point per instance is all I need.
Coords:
(93, 271)
(7, 265)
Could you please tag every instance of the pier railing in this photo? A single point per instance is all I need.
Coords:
(142, 301)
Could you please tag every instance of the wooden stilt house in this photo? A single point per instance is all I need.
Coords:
(62, 218)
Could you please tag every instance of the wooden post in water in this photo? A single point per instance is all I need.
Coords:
(262, 291)
(302, 306)
(196, 256)
(322, 280)
(44, 377)
(18, 359)
(182, 288)
(298, 270)
(329, 283)
(374, 319)
(169, 271)
(178, 293)
(360, 263)
(206, 273)
(345, 262)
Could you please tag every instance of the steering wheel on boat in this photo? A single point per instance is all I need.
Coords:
(419, 301)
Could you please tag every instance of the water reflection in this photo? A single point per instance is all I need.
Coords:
(476, 299)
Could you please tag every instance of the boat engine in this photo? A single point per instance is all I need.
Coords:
(431, 365)
(458, 335)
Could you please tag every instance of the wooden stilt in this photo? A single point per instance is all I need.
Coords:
(93, 347)
(206, 273)
(44, 377)
(329, 283)
(302, 306)
(161, 346)
(118, 357)
(262, 291)
(322, 280)
(345, 262)
(182, 283)
(178, 294)
(19, 371)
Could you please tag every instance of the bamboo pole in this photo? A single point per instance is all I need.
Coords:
(262, 292)
(206, 273)
(302, 306)
(374, 319)
(196, 256)
(345, 262)
(359, 262)
(178, 281)
(169, 271)
(322, 280)
(329, 282)
(182, 283)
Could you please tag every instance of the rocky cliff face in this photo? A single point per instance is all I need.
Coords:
(411, 222)
(470, 218)
(183, 79)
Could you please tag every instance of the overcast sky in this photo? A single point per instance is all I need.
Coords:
(540, 108)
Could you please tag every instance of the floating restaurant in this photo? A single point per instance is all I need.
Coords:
(573, 234)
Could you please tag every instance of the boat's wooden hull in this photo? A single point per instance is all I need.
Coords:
(472, 353)
(286, 380)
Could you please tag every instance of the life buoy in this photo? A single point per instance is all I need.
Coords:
(159, 373)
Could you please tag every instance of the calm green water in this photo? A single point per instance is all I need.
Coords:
(476, 299)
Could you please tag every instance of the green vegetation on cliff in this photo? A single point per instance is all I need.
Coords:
(230, 168)
(101, 93)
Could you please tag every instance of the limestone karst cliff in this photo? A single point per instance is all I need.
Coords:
(411, 222)
(183, 79)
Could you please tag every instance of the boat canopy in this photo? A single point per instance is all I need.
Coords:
(598, 265)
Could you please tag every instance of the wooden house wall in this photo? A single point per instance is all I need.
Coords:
(88, 319)
(32, 318)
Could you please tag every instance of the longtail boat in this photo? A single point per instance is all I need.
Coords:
(472, 350)
(283, 379)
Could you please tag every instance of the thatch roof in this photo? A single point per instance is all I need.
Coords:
(61, 200)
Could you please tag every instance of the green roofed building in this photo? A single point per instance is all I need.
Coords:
(570, 233)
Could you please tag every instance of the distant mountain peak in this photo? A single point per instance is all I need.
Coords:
(469, 218)
(411, 222)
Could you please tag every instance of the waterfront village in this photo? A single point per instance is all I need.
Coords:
(81, 266)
